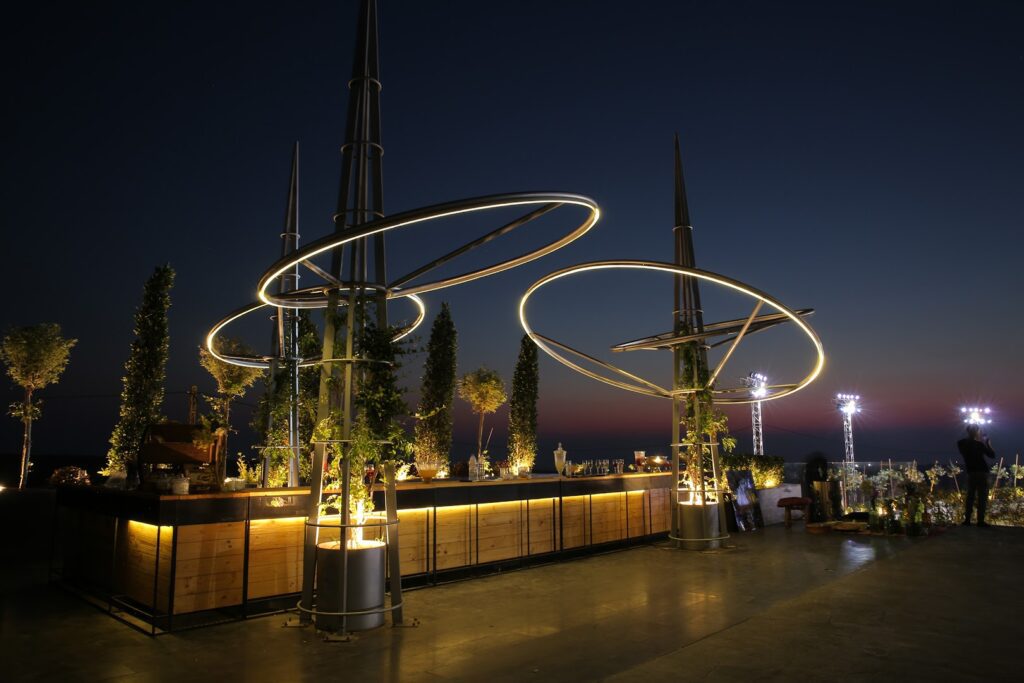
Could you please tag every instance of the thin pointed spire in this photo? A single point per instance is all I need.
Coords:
(290, 237)
(682, 207)
(688, 307)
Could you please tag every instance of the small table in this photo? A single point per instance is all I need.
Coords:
(802, 504)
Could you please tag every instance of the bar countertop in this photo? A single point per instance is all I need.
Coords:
(255, 503)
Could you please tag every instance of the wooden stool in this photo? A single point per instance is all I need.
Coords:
(802, 504)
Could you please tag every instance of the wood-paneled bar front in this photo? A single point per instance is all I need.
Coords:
(176, 561)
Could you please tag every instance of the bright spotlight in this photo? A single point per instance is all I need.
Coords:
(848, 403)
(976, 416)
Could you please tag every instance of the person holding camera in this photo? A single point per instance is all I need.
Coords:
(974, 449)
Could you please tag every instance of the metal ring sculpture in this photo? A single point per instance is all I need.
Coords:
(736, 328)
(316, 297)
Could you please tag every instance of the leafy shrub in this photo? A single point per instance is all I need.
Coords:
(69, 476)
(768, 470)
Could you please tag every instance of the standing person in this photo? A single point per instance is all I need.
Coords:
(974, 449)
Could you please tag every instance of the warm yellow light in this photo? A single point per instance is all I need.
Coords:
(674, 270)
(257, 523)
(333, 242)
(211, 336)
(150, 530)
(353, 544)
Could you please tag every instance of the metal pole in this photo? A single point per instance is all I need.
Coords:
(289, 334)
(346, 495)
(755, 421)
(394, 557)
(848, 459)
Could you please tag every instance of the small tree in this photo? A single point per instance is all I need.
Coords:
(142, 395)
(270, 420)
(232, 380)
(434, 427)
(484, 391)
(35, 357)
(522, 417)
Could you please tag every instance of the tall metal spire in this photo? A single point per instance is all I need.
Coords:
(691, 401)
(689, 313)
(361, 191)
(285, 334)
(289, 326)
(360, 200)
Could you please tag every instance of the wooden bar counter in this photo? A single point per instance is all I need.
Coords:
(176, 561)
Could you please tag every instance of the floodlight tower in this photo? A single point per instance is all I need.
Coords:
(758, 385)
(848, 405)
(976, 416)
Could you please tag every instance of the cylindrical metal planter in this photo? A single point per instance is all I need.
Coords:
(699, 527)
(365, 585)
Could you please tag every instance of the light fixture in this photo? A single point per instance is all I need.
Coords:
(976, 415)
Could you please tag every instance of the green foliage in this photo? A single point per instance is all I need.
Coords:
(522, 422)
(35, 356)
(207, 432)
(364, 450)
(142, 395)
(768, 471)
(379, 398)
(484, 391)
(270, 419)
(433, 435)
(232, 380)
(714, 427)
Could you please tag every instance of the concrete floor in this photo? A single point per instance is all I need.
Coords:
(780, 605)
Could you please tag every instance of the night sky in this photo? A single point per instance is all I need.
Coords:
(860, 158)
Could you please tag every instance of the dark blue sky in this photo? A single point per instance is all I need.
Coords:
(861, 158)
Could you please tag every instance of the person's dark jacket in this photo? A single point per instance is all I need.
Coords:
(974, 453)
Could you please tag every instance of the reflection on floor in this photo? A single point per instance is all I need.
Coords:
(778, 604)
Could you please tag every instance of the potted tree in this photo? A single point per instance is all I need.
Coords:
(484, 391)
(433, 435)
(522, 416)
(701, 498)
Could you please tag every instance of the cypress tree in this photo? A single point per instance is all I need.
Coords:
(142, 395)
(437, 394)
(522, 416)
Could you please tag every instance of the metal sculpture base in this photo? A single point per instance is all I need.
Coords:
(365, 586)
(700, 527)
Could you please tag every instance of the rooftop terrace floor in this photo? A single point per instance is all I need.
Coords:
(778, 605)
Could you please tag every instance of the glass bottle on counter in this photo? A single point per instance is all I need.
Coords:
(560, 458)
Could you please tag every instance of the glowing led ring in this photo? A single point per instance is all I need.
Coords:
(265, 361)
(639, 385)
(334, 241)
